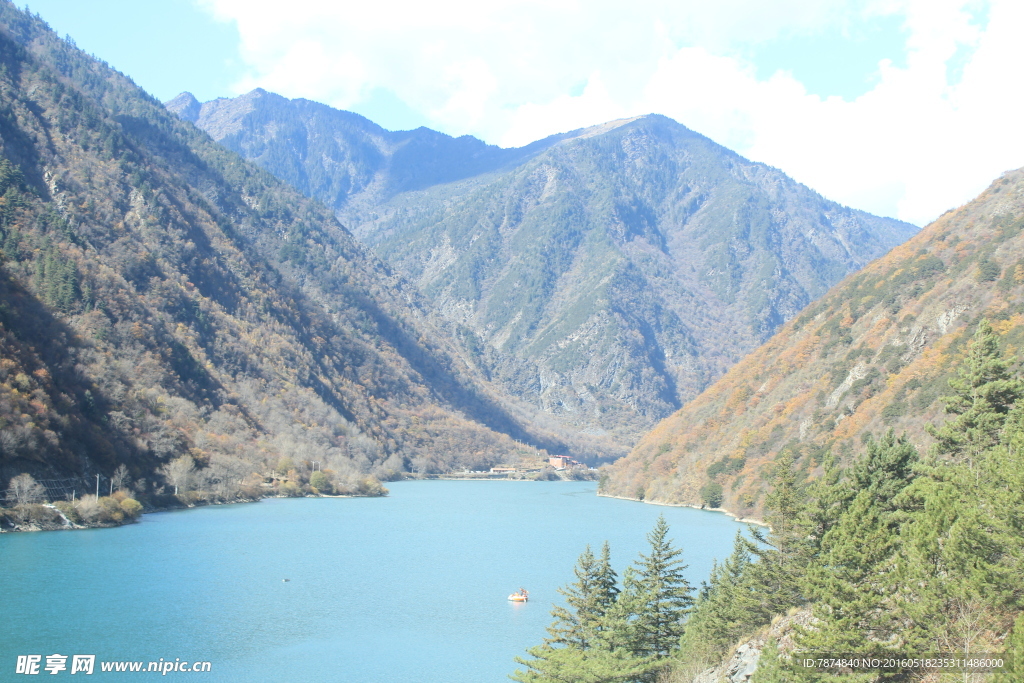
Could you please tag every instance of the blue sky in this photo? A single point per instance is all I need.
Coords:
(903, 108)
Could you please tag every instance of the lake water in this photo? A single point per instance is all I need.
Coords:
(408, 588)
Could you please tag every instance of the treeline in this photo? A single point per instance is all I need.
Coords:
(899, 554)
(183, 481)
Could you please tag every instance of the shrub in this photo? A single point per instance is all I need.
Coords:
(88, 508)
(69, 511)
(547, 474)
(284, 465)
(290, 488)
(369, 486)
(321, 482)
(110, 510)
(711, 494)
(131, 508)
(39, 514)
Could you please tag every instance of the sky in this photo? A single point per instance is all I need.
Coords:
(904, 108)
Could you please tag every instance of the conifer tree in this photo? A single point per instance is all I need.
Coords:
(587, 600)
(598, 664)
(827, 498)
(662, 595)
(586, 642)
(984, 392)
(885, 470)
(850, 583)
(961, 548)
(770, 666)
(783, 553)
(1013, 651)
(723, 610)
(850, 580)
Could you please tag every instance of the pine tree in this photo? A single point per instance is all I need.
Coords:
(828, 497)
(962, 546)
(770, 666)
(850, 579)
(662, 594)
(783, 553)
(723, 610)
(851, 583)
(587, 601)
(1013, 650)
(885, 470)
(984, 392)
(587, 640)
(598, 664)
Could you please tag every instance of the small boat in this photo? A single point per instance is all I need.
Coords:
(521, 595)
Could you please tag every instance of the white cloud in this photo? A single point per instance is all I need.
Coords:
(513, 71)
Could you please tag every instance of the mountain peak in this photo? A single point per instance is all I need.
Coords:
(603, 128)
(186, 106)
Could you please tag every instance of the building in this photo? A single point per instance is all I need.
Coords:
(561, 462)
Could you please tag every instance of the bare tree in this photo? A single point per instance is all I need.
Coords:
(24, 489)
(88, 507)
(179, 471)
(120, 480)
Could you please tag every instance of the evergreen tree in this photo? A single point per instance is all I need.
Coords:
(587, 601)
(962, 547)
(827, 498)
(885, 470)
(850, 579)
(770, 666)
(662, 595)
(851, 584)
(587, 640)
(723, 608)
(783, 553)
(1013, 650)
(984, 392)
(598, 664)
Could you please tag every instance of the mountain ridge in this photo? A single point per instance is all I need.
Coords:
(208, 310)
(588, 267)
(874, 353)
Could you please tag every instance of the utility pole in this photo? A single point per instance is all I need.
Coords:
(316, 463)
(97, 487)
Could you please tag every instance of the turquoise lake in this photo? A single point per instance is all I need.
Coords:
(409, 588)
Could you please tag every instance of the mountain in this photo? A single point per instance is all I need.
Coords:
(164, 297)
(875, 353)
(606, 275)
(341, 158)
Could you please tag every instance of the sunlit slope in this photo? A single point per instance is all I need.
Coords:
(874, 353)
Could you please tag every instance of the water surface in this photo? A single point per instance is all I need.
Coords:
(407, 588)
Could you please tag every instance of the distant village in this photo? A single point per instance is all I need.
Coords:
(552, 468)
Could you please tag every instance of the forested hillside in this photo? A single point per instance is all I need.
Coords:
(875, 353)
(911, 560)
(606, 275)
(163, 298)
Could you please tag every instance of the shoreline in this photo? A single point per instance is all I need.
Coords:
(742, 520)
(30, 528)
(71, 526)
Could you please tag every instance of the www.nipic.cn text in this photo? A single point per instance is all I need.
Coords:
(86, 664)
